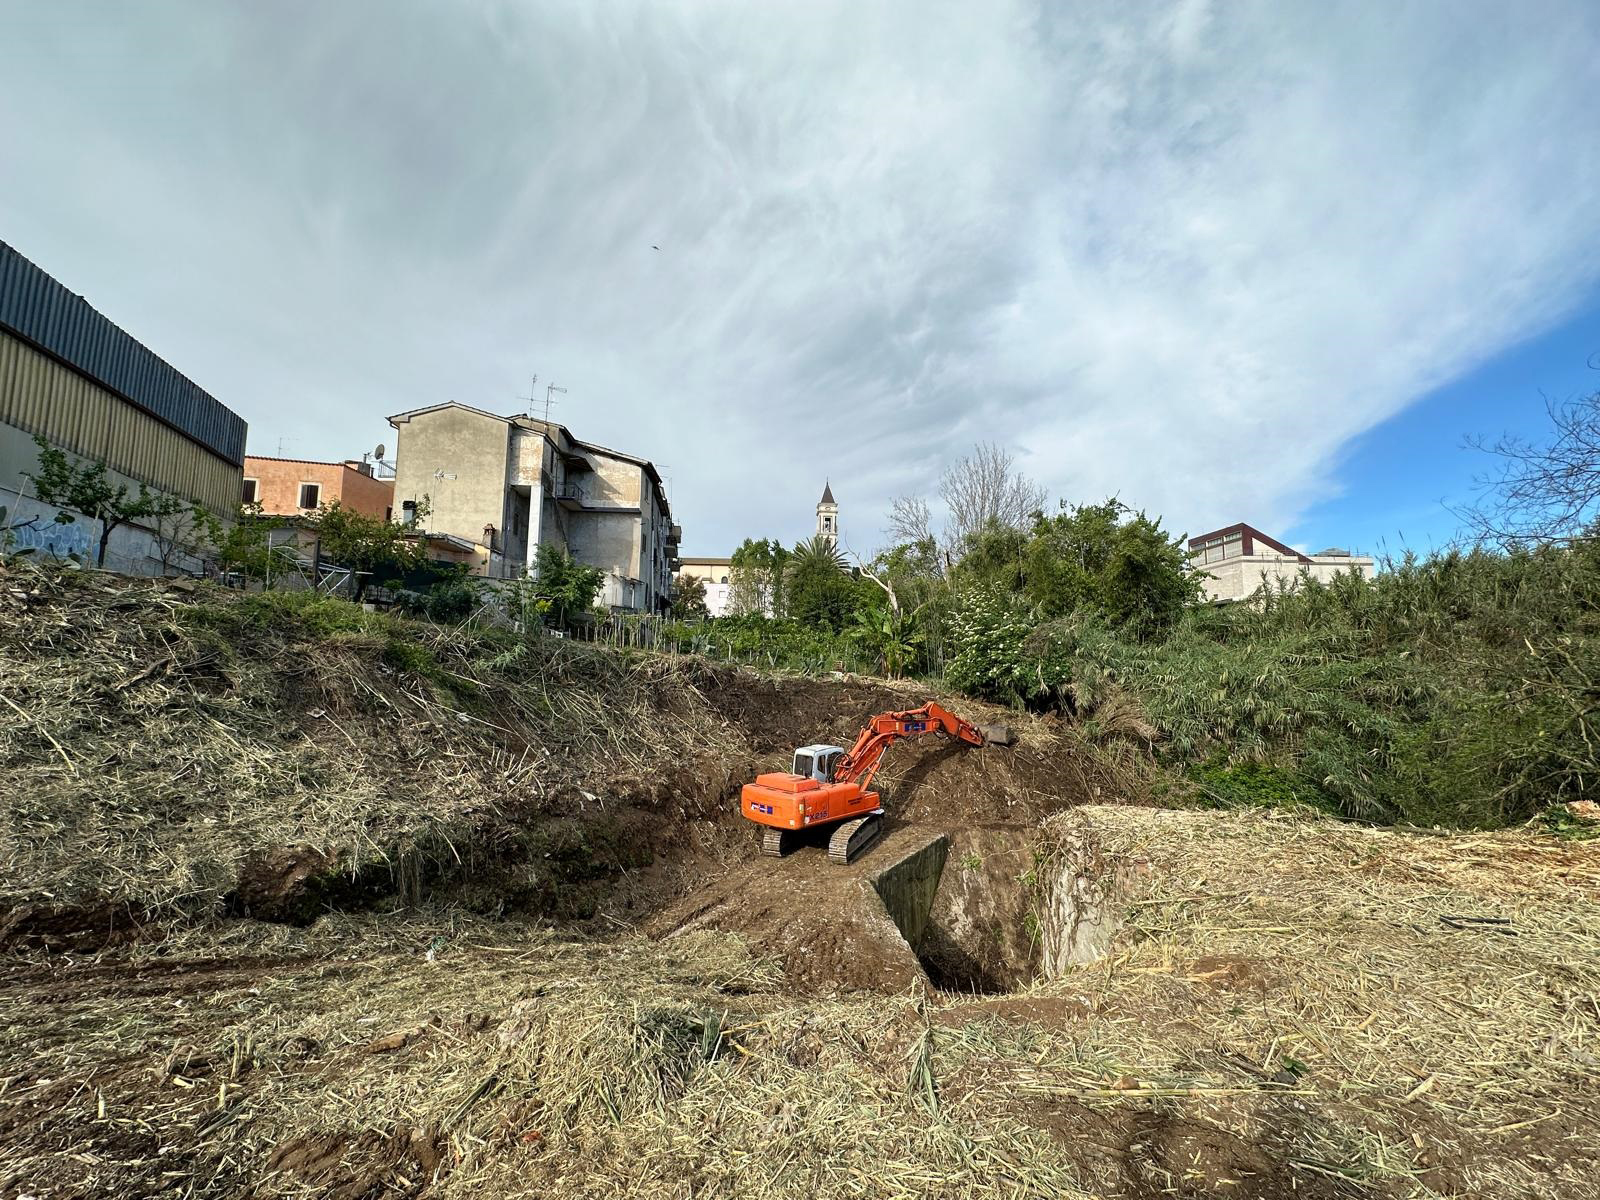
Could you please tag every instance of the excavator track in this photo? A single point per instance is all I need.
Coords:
(852, 839)
(776, 843)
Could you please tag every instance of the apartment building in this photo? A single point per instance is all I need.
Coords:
(297, 487)
(1239, 559)
(505, 485)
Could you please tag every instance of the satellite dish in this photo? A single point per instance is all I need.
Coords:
(378, 453)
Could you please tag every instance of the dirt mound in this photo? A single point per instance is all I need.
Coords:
(825, 925)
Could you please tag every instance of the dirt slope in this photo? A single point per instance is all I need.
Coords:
(183, 753)
(536, 953)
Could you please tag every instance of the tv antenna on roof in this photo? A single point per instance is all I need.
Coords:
(550, 399)
(528, 399)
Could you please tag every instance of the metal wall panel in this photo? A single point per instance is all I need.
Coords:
(34, 306)
(40, 395)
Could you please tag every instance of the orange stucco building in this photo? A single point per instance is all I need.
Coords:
(293, 487)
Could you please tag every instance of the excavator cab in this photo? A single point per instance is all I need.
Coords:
(817, 762)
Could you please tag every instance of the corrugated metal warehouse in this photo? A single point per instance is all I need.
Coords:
(69, 374)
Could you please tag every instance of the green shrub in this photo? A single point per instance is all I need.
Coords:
(988, 632)
(1259, 785)
(1457, 690)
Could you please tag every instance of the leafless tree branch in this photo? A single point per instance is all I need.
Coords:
(909, 520)
(984, 489)
(1542, 491)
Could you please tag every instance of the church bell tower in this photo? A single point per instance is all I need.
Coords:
(828, 516)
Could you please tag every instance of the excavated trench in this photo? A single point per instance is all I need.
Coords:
(1011, 905)
(985, 910)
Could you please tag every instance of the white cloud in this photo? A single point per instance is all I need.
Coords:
(1183, 258)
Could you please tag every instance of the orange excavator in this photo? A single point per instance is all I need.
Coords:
(833, 786)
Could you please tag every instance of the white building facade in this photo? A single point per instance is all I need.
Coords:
(714, 573)
(507, 485)
(1237, 561)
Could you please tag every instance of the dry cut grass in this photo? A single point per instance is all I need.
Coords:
(1290, 1008)
(1417, 1013)
(156, 740)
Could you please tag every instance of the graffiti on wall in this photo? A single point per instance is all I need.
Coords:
(31, 525)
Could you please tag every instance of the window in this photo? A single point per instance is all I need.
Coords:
(310, 495)
(724, 579)
(252, 491)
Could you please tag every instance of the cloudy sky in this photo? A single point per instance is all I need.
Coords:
(1214, 258)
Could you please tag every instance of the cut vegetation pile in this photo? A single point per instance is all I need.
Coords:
(1289, 1009)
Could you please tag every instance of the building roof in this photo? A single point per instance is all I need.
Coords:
(827, 493)
(42, 312)
(346, 463)
(693, 560)
(1252, 535)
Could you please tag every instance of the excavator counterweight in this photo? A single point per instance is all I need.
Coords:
(830, 786)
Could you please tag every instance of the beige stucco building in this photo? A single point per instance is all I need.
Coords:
(714, 573)
(1236, 561)
(506, 485)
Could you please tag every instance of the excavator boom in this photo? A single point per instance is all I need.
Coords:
(884, 730)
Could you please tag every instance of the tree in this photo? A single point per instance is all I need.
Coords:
(983, 490)
(912, 578)
(1543, 491)
(993, 555)
(818, 588)
(889, 634)
(1100, 558)
(184, 534)
(88, 489)
(689, 598)
(910, 520)
(246, 546)
(378, 548)
(756, 578)
(1108, 559)
(565, 588)
(980, 492)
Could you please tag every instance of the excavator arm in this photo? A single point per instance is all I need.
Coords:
(861, 763)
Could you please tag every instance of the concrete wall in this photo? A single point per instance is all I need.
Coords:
(365, 493)
(31, 524)
(470, 446)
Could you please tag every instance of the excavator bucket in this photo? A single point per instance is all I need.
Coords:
(997, 735)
